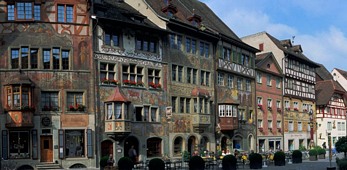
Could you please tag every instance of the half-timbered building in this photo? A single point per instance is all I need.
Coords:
(298, 88)
(46, 81)
(269, 103)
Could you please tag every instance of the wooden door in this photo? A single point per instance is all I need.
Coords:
(46, 149)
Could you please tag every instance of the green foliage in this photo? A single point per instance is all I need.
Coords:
(186, 156)
(321, 151)
(313, 152)
(255, 161)
(156, 164)
(341, 163)
(196, 163)
(302, 148)
(229, 162)
(103, 161)
(125, 163)
(280, 158)
(341, 145)
(297, 156)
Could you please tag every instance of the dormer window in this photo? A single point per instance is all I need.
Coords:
(195, 20)
(169, 9)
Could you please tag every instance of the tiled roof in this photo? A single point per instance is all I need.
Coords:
(117, 96)
(325, 89)
(187, 8)
(323, 73)
(121, 11)
(285, 46)
(261, 57)
(342, 72)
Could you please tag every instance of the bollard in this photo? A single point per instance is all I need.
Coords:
(264, 165)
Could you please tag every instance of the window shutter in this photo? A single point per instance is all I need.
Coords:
(34, 144)
(89, 143)
(4, 144)
(61, 143)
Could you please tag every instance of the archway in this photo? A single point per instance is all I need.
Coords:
(106, 148)
(237, 142)
(130, 141)
(178, 146)
(192, 144)
(251, 142)
(224, 144)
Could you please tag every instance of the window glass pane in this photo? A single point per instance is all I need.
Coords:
(33, 58)
(10, 12)
(107, 39)
(46, 59)
(118, 110)
(69, 14)
(61, 13)
(56, 56)
(15, 58)
(74, 143)
(65, 59)
(28, 11)
(20, 11)
(19, 145)
(37, 12)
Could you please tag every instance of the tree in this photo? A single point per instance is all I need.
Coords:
(341, 145)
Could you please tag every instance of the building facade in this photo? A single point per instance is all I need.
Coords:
(269, 103)
(298, 88)
(47, 90)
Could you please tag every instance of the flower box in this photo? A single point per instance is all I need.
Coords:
(279, 129)
(305, 110)
(279, 109)
(288, 109)
(296, 109)
(269, 108)
(154, 86)
(78, 107)
(260, 106)
(108, 81)
(260, 129)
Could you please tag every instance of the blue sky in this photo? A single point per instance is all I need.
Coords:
(320, 26)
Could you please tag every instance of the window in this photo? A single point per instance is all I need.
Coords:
(204, 49)
(300, 126)
(248, 85)
(58, 60)
(34, 58)
(220, 79)
(205, 78)
(268, 80)
(226, 54)
(278, 82)
(108, 72)
(201, 105)
(290, 126)
(154, 115)
(339, 126)
(296, 105)
(278, 104)
(132, 75)
(260, 123)
(174, 104)
(184, 105)
(343, 126)
(286, 104)
(239, 84)
(18, 96)
(245, 60)
(49, 101)
(19, 143)
(154, 78)
(259, 101)
(112, 38)
(65, 13)
(177, 73)
(75, 101)
(259, 77)
(178, 146)
(230, 81)
(329, 126)
(227, 110)
(15, 58)
(147, 44)
(278, 124)
(154, 147)
(146, 113)
(192, 75)
(74, 143)
(190, 45)
(175, 41)
(116, 110)
(269, 123)
(23, 11)
(269, 102)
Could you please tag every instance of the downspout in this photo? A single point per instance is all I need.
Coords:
(283, 109)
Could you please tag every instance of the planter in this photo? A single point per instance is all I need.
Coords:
(313, 158)
(321, 156)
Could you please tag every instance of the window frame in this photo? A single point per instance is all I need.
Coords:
(69, 16)
(32, 13)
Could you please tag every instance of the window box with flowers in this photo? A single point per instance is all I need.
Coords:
(154, 85)
(305, 110)
(78, 107)
(279, 110)
(260, 129)
(288, 109)
(49, 108)
(270, 129)
(279, 129)
(260, 106)
(296, 109)
(110, 82)
(269, 108)
(139, 84)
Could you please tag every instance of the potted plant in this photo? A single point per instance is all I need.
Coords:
(125, 163)
(255, 161)
(280, 158)
(229, 162)
(321, 152)
(103, 161)
(156, 164)
(297, 156)
(196, 163)
(313, 154)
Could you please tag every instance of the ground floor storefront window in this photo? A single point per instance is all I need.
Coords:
(19, 144)
(74, 143)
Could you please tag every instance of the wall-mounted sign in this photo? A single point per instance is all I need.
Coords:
(46, 121)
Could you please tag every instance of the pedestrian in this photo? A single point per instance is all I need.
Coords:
(110, 160)
(132, 154)
(324, 145)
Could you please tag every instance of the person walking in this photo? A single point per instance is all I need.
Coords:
(132, 154)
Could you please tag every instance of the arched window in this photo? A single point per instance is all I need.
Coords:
(178, 145)
(154, 147)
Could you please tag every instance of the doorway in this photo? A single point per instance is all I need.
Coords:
(46, 149)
